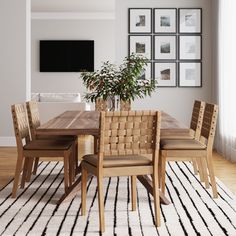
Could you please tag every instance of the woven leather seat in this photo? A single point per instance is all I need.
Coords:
(177, 136)
(182, 145)
(58, 137)
(48, 145)
(118, 161)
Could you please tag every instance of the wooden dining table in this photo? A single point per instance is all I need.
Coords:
(87, 123)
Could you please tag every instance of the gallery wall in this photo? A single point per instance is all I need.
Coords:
(176, 101)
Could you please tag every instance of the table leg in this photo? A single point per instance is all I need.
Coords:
(74, 189)
(147, 183)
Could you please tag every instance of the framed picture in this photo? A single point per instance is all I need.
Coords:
(147, 72)
(165, 20)
(165, 74)
(190, 20)
(190, 47)
(190, 74)
(140, 20)
(140, 44)
(165, 47)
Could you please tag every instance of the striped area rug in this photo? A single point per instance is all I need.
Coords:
(192, 212)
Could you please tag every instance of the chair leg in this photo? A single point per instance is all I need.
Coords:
(212, 176)
(72, 166)
(29, 172)
(25, 172)
(194, 163)
(163, 173)
(66, 168)
(76, 158)
(199, 164)
(101, 203)
(36, 162)
(95, 144)
(17, 174)
(134, 193)
(84, 190)
(156, 198)
(205, 174)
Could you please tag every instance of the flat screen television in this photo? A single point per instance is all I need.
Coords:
(66, 55)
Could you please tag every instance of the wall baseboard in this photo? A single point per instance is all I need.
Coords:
(8, 141)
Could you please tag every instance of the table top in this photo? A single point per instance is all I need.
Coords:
(87, 122)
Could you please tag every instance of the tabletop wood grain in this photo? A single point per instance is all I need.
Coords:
(87, 122)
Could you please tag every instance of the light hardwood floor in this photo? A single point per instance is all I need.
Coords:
(224, 170)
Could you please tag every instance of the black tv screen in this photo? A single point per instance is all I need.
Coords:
(66, 55)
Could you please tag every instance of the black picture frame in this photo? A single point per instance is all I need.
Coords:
(131, 23)
(180, 39)
(164, 57)
(155, 21)
(191, 30)
(189, 84)
(164, 83)
(131, 47)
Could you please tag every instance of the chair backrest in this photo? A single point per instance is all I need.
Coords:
(33, 117)
(20, 123)
(197, 118)
(209, 123)
(125, 105)
(129, 132)
(101, 105)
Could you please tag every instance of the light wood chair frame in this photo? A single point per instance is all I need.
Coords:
(203, 157)
(22, 134)
(113, 124)
(194, 132)
(34, 123)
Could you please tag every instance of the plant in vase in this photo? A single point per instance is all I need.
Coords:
(125, 81)
(101, 84)
(132, 84)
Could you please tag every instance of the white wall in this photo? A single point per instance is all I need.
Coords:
(73, 5)
(101, 31)
(176, 101)
(14, 61)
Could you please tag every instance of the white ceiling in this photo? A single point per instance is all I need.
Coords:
(72, 5)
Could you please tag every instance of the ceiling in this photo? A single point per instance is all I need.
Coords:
(72, 5)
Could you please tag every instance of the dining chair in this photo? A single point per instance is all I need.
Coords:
(194, 132)
(182, 150)
(125, 138)
(34, 123)
(28, 149)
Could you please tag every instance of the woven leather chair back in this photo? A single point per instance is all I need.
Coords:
(209, 121)
(101, 105)
(20, 123)
(197, 117)
(129, 132)
(33, 117)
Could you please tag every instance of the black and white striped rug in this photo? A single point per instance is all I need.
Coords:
(192, 212)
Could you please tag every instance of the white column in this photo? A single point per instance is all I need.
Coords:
(15, 66)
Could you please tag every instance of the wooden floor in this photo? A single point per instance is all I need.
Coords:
(224, 170)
